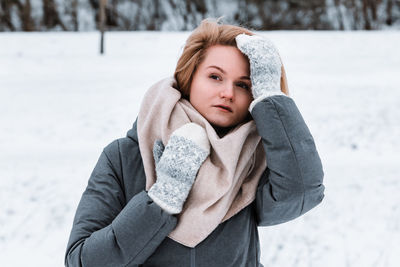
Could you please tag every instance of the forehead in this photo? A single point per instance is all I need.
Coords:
(227, 57)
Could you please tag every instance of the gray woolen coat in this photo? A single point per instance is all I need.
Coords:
(117, 224)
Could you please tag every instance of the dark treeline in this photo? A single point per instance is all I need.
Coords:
(82, 15)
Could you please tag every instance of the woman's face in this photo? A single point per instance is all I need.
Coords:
(221, 86)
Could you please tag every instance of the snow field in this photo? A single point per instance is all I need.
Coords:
(61, 103)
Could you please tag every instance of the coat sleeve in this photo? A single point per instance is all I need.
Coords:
(292, 182)
(106, 230)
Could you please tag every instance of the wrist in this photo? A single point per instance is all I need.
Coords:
(264, 96)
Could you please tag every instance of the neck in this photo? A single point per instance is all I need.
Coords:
(222, 131)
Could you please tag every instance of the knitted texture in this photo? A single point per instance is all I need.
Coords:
(176, 168)
(265, 64)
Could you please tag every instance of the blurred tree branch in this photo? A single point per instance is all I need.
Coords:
(41, 15)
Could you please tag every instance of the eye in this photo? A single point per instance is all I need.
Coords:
(243, 85)
(215, 77)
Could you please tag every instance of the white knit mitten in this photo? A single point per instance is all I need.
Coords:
(265, 66)
(177, 166)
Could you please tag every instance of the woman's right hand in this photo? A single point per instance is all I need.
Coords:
(177, 165)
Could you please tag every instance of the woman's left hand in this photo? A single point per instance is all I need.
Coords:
(265, 64)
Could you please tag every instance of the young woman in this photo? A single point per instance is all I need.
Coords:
(215, 152)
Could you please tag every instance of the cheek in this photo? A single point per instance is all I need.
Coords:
(245, 98)
(197, 96)
(204, 89)
(193, 90)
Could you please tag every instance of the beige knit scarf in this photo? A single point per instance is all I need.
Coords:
(228, 178)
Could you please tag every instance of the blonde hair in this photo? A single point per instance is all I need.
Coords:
(210, 32)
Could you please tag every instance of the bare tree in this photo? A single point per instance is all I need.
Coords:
(186, 14)
(25, 11)
(74, 14)
(51, 17)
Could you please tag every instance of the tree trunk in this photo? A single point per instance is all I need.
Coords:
(5, 17)
(74, 6)
(102, 17)
(389, 9)
(367, 22)
(27, 23)
(338, 4)
(50, 15)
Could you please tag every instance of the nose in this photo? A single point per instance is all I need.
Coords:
(227, 92)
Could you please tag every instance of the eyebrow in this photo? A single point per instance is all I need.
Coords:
(221, 70)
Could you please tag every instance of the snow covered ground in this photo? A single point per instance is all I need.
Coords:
(61, 103)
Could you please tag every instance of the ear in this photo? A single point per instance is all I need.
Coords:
(284, 82)
(158, 150)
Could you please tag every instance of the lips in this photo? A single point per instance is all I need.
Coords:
(224, 107)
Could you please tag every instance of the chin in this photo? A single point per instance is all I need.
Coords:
(222, 124)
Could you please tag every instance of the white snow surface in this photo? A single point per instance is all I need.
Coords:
(61, 103)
